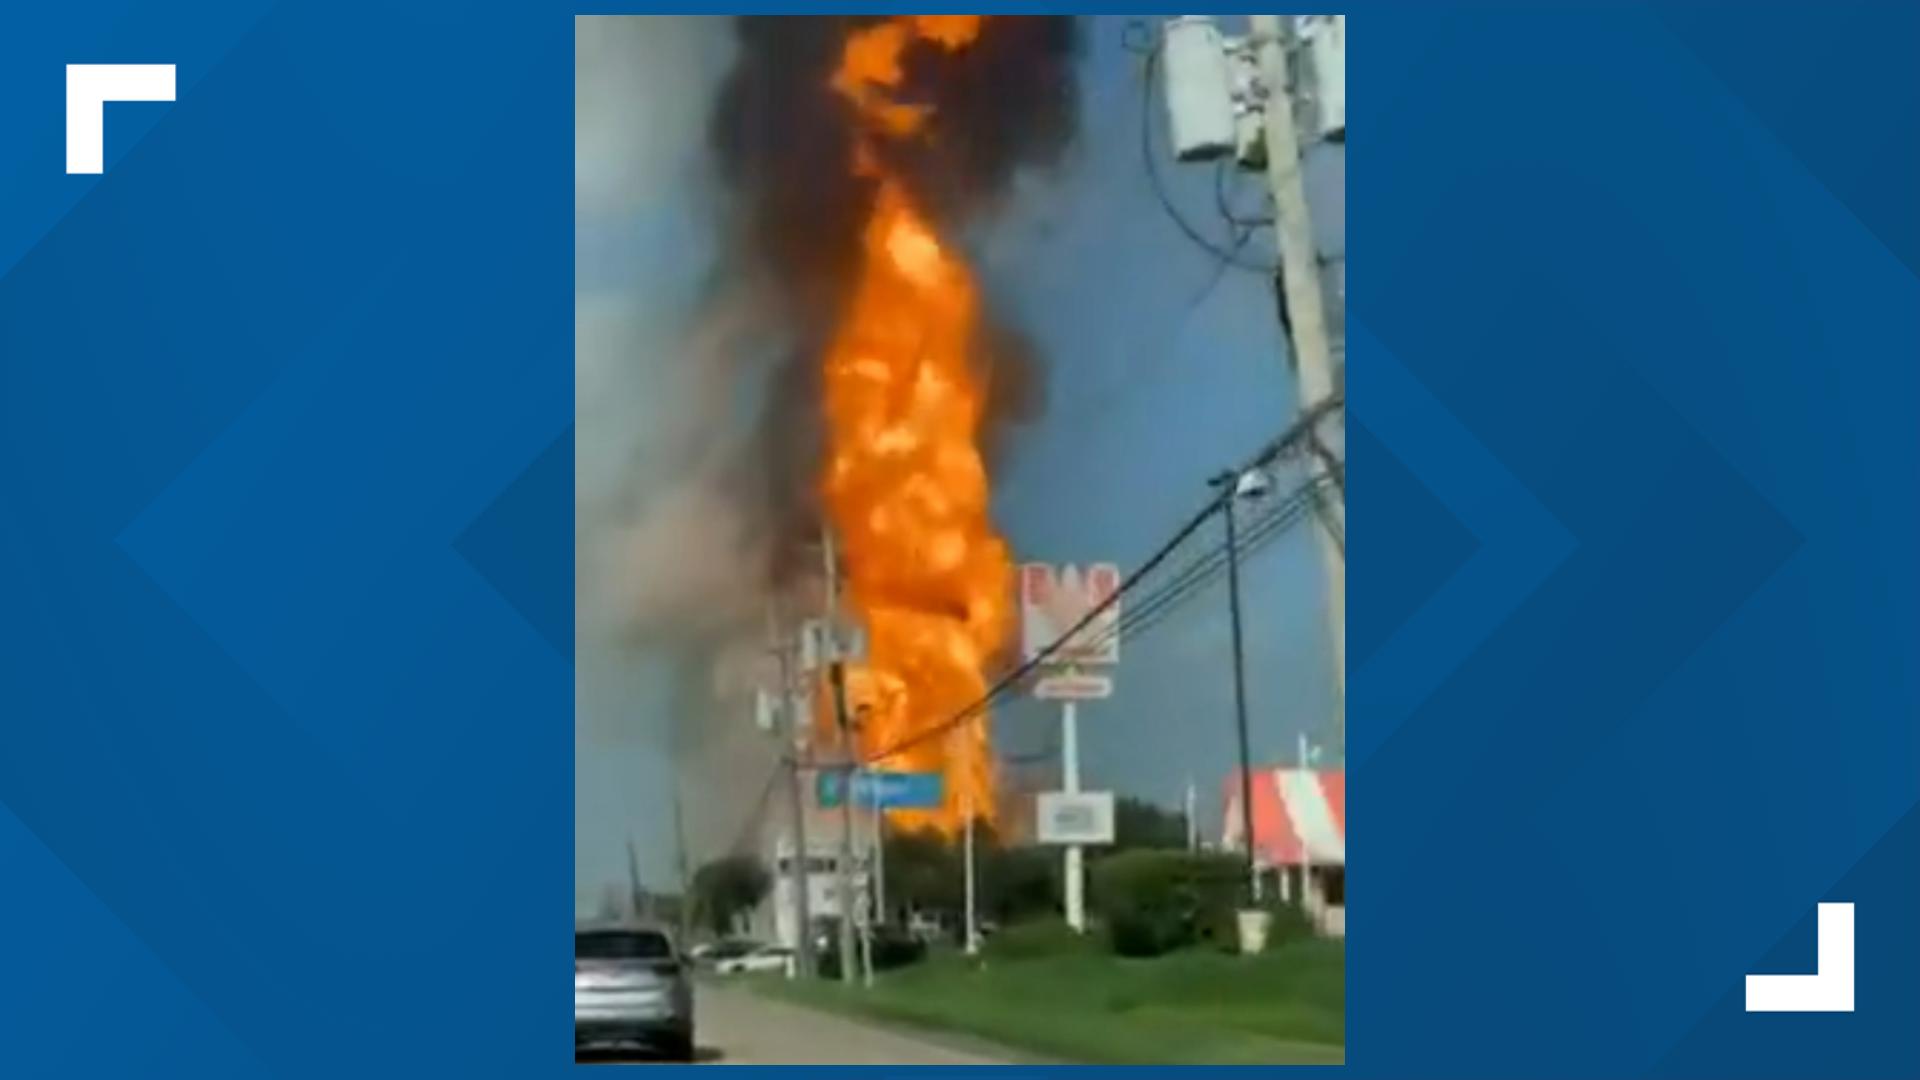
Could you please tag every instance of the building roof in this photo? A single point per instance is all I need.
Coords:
(1295, 812)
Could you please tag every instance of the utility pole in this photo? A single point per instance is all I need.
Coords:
(636, 896)
(799, 859)
(1193, 823)
(1229, 493)
(1306, 851)
(879, 859)
(865, 925)
(837, 673)
(972, 924)
(680, 857)
(1306, 311)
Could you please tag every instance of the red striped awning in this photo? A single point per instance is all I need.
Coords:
(1296, 812)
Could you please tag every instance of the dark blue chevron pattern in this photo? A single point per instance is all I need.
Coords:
(285, 455)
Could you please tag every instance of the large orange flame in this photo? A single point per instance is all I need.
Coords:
(905, 484)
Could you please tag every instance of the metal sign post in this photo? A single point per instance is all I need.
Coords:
(973, 924)
(1070, 783)
(880, 862)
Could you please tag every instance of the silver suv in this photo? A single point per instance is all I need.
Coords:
(630, 988)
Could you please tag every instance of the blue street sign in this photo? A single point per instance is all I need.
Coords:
(888, 790)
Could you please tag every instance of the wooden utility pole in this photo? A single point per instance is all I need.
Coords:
(837, 673)
(1306, 318)
(788, 731)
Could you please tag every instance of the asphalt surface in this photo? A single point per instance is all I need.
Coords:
(735, 1026)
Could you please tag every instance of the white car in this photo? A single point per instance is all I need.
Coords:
(765, 958)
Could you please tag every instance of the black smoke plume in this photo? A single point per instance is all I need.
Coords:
(784, 141)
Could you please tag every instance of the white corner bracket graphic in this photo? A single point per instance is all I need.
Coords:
(1829, 988)
(89, 88)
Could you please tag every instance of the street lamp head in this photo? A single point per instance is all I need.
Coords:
(1252, 484)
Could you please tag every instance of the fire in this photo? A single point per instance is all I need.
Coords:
(905, 484)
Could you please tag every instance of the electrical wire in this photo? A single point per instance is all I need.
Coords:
(1286, 442)
(1225, 204)
(751, 826)
(1207, 568)
(1156, 608)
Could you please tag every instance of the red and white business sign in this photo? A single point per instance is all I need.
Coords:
(1053, 599)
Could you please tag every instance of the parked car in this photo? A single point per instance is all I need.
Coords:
(893, 947)
(630, 989)
(711, 954)
(759, 958)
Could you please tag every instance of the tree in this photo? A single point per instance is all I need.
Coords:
(924, 872)
(1138, 823)
(727, 888)
(1021, 882)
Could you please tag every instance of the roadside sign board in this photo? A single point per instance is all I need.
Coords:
(1073, 686)
(1080, 817)
(1054, 598)
(887, 790)
(816, 645)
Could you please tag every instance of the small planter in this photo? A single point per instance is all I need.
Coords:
(1253, 925)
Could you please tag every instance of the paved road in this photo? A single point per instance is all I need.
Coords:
(738, 1027)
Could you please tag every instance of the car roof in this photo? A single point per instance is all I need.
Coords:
(621, 928)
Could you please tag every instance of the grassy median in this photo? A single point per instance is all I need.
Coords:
(1193, 1007)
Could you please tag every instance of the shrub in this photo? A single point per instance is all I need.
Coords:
(1019, 883)
(1146, 933)
(1157, 901)
(1290, 924)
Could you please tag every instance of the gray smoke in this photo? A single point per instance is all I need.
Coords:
(670, 521)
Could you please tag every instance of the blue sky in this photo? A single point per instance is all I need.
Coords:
(1161, 371)
(1151, 393)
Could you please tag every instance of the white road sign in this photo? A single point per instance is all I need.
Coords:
(1073, 686)
(1081, 817)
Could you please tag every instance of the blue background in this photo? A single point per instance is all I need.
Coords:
(286, 544)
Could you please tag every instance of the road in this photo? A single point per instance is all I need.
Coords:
(738, 1027)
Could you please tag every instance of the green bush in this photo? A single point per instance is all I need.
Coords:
(1157, 901)
(1017, 884)
(1218, 927)
(1036, 940)
(1290, 924)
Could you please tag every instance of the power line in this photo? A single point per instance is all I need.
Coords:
(1206, 568)
(1189, 580)
(751, 826)
(1288, 441)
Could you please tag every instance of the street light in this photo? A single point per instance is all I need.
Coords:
(1235, 486)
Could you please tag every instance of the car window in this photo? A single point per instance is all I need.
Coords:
(622, 945)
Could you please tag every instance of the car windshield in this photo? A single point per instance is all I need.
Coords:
(622, 945)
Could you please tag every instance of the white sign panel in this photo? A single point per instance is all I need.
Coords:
(1084, 817)
(816, 648)
(1053, 599)
(1073, 686)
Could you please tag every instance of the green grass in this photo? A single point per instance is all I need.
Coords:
(1188, 1008)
